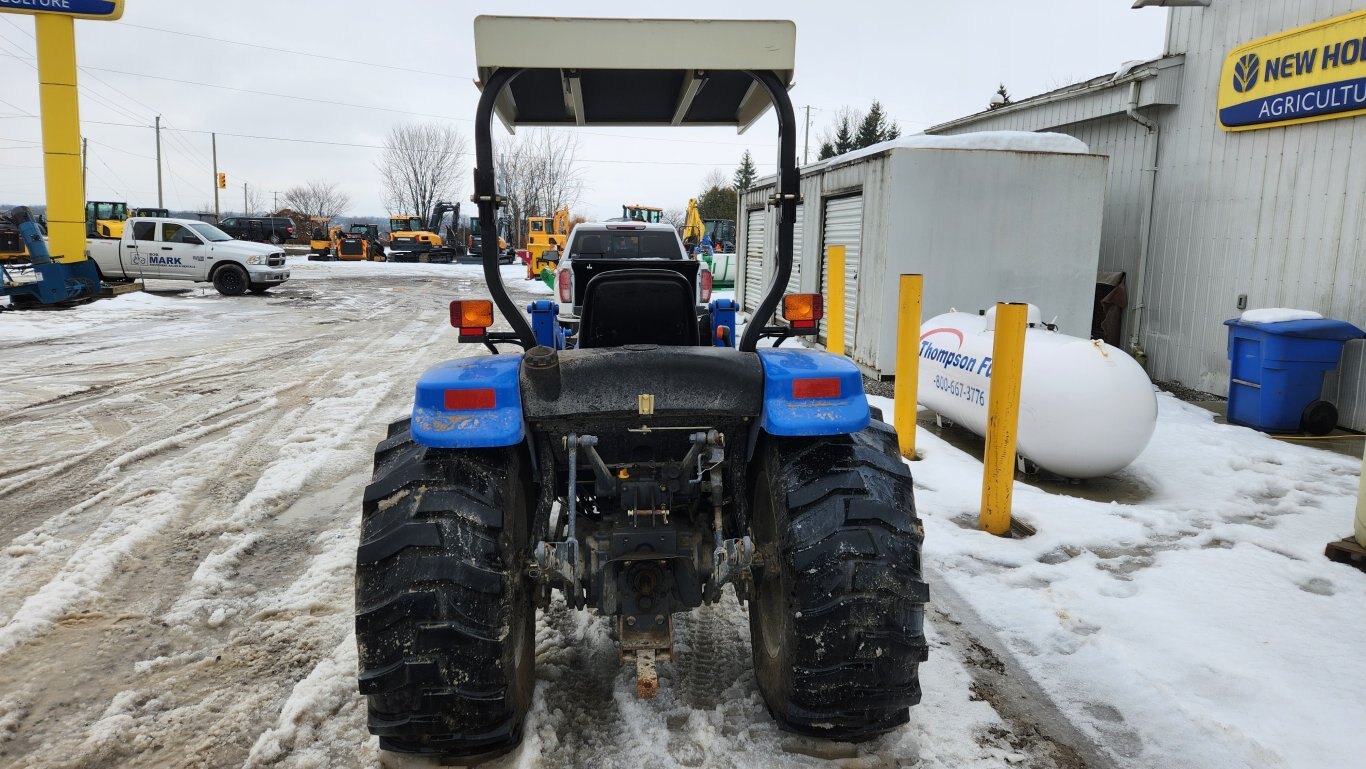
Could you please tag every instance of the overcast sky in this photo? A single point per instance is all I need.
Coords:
(412, 60)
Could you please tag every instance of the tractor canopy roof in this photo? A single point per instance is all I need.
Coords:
(648, 72)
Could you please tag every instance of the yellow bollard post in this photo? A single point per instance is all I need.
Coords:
(61, 137)
(1003, 413)
(834, 300)
(906, 389)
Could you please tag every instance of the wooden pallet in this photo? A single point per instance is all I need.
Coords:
(1347, 551)
(119, 289)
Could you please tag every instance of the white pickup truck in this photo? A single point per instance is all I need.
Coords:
(186, 249)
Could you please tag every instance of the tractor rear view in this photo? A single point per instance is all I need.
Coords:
(661, 462)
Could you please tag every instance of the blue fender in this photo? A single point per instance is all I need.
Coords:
(810, 392)
(470, 403)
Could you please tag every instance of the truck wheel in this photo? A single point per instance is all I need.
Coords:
(444, 617)
(274, 239)
(837, 618)
(230, 280)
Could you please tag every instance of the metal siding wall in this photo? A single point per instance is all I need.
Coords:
(794, 282)
(843, 222)
(755, 245)
(1123, 141)
(1273, 213)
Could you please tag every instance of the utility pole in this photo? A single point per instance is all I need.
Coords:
(806, 140)
(216, 213)
(161, 203)
(245, 212)
(276, 193)
(85, 163)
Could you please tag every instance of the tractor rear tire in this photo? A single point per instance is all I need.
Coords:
(445, 625)
(837, 618)
(231, 280)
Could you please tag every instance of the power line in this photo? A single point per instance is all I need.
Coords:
(22, 111)
(612, 161)
(295, 53)
(280, 95)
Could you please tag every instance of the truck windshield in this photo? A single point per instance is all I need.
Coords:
(625, 245)
(209, 232)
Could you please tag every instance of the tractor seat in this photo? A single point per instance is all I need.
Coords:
(639, 307)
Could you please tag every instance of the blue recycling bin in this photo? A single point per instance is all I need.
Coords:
(1276, 373)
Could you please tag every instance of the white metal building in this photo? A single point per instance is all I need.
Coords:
(1204, 219)
(943, 207)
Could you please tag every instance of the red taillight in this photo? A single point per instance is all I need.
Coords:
(706, 286)
(566, 284)
(825, 387)
(469, 400)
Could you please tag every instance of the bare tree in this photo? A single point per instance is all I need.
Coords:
(317, 198)
(255, 201)
(715, 178)
(676, 217)
(422, 163)
(539, 175)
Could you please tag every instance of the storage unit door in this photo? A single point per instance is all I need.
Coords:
(794, 282)
(755, 243)
(843, 225)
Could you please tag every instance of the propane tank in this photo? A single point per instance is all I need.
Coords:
(1086, 409)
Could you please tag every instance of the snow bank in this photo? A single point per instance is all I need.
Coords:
(1181, 613)
(1277, 315)
(1000, 141)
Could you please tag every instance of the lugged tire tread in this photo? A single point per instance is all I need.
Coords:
(851, 551)
(433, 614)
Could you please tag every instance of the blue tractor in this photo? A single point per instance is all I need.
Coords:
(659, 463)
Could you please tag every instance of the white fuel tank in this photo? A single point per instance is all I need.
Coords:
(1086, 409)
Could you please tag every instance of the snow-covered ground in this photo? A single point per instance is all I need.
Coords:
(178, 514)
(1193, 623)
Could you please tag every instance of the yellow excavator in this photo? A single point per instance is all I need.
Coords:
(693, 229)
(412, 240)
(544, 233)
(713, 240)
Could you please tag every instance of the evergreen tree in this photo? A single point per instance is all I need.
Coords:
(718, 203)
(873, 128)
(1001, 99)
(827, 151)
(745, 174)
(844, 136)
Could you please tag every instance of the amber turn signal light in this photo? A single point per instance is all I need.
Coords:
(803, 310)
(472, 313)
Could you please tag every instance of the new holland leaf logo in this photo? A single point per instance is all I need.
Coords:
(1245, 73)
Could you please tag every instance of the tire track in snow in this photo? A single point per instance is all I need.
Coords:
(231, 695)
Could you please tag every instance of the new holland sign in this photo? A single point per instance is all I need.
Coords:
(1312, 73)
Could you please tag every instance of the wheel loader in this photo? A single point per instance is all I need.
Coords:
(657, 461)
